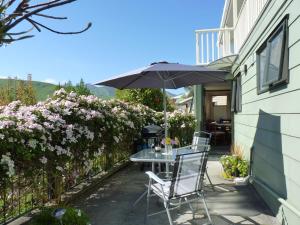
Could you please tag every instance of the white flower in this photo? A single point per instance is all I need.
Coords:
(32, 143)
(6, 160)
(79, 212)
(116, 139)
(59, 168)
(72, 94)
(44, 160)
(59, 92)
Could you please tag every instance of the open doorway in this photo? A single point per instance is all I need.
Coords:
(217, 113)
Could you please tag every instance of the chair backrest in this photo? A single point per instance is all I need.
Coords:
(200, 138)
(203, 134)
(188, 173)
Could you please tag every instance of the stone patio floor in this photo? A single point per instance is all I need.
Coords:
(111, 202)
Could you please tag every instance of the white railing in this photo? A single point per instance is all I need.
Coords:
(213, 44)
(248, 15)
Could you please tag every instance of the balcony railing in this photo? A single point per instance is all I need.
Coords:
(213, 44)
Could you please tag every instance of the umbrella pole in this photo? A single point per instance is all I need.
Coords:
(165, 109)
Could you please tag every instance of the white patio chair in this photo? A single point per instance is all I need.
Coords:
(185, 186)
(200, 140)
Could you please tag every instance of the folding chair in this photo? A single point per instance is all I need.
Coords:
(186, 185)
(200, 139)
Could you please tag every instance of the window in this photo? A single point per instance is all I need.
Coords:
(236, 97)
(272, 59)
(219, 100)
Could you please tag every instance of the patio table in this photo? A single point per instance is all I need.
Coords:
(149, 155)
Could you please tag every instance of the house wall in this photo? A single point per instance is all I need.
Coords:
(268, 128)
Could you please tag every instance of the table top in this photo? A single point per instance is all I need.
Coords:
(148, 155)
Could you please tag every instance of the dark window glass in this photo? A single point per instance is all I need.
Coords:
(236, 95)
(272, 59)
(275, 57)
(233, 93)
(238, 104)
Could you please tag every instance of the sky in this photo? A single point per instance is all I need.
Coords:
(126, 34)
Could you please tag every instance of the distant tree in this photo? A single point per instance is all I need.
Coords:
(30, 95)
(80, 88)
(5, 95)
(21, 90)
(150, 97)
(18, 90)
(15, 12)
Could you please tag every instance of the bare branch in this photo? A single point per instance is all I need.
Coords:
(8, 41)
(43, 8)
(34, 24)
(24, 11)
(51, 17)
(59, 32)
(21, 33)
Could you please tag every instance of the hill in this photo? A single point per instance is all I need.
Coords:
(44, 90)
(102, 91)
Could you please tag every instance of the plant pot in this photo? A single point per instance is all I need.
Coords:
(241, 181)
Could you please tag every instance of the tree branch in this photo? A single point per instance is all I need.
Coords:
(24, 11)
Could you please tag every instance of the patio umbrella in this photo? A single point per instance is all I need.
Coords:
(167, 76)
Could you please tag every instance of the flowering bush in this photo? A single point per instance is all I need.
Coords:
(180, 125)
(65, 130)
(49, 147)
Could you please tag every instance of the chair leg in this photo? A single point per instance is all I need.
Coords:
(205, 206)
(168, 213)
(209, 180)
(148, 201)
(191, 207)
(139, 199)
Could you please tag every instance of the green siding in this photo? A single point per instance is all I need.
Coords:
(268, 127)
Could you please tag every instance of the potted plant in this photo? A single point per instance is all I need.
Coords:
(235, 167)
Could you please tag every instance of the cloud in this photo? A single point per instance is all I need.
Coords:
(51, 81)
(3, 77)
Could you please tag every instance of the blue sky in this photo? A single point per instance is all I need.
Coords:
(126, 34)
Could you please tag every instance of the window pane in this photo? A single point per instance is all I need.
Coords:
(219, 100)
(262, 69)
(238, 103)
(275, 45)
(233, 96)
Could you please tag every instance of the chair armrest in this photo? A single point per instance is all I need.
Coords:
(155, 178)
